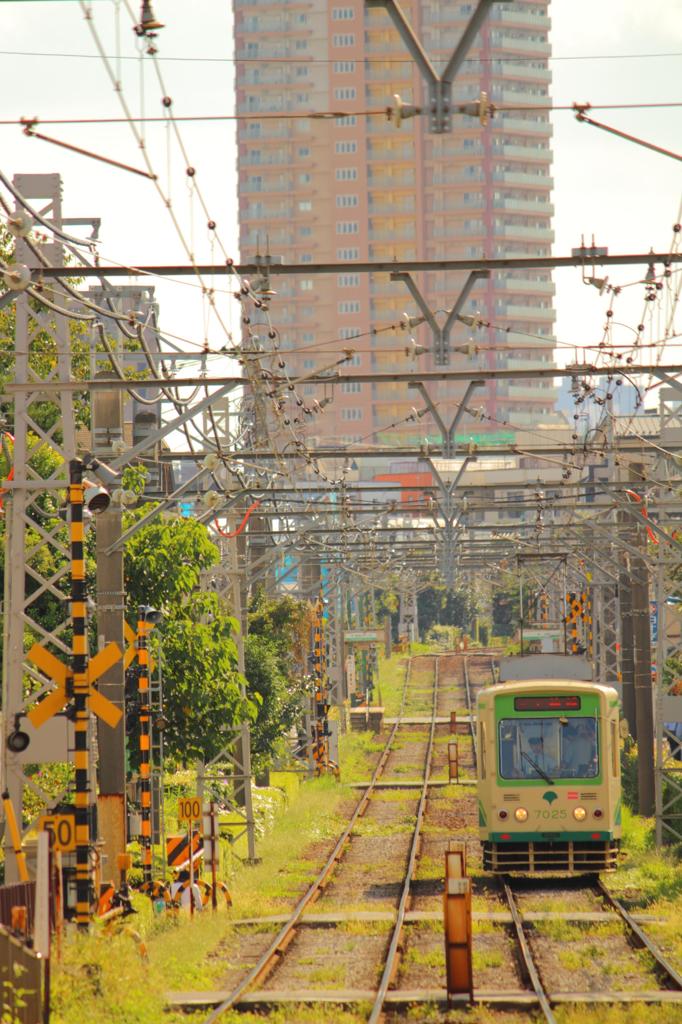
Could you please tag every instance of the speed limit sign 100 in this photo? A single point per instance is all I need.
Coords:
(190, 809)
(62, 831)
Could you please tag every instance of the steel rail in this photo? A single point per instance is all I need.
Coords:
(391, 965)
(285, 935)
(528, 963)
(643, 939)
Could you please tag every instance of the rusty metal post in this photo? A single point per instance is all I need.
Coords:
(457, 915)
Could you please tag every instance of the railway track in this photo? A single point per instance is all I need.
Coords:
(514, 925)
(274, 954)
(538, 975)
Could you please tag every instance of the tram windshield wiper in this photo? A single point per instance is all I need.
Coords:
(537, 768)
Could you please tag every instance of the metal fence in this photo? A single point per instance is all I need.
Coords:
(20, 894)
(22, 975)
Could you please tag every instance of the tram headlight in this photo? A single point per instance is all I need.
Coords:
(579, 813)
(521, 814)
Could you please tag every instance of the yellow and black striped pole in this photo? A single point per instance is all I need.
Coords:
(573, 614)
(81, 694)
(145, 744)
(321, 722)
(15, 836)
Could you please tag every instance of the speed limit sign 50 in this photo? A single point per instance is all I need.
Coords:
(61, 829)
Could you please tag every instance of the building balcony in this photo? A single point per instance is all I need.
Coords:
(380, 154)
(524, 178)
(529, 154)
(401, 180)
(539, 22)
(524, 126)
(519, 231)
(523, 73)
(521, 206)
(524, 313)
(504, 41)
(402, 207)
(517, 284)
(511, 98)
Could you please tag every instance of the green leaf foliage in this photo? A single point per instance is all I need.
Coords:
(164, 561)
(275, 653)
(281, 695)
(202, 687)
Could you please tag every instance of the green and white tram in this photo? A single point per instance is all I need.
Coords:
(549, 786)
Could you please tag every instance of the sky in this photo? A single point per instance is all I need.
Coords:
(623, 194)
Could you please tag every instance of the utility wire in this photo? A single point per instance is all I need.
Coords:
(29, 122)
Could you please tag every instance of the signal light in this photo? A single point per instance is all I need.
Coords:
(521, 814)
(579, 813)
(18, 740)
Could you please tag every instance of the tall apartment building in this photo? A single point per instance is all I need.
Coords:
(358, 188)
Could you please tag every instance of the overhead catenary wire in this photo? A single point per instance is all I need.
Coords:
(265, 115)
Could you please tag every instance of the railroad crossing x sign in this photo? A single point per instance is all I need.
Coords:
(131, 650)
(61, 674)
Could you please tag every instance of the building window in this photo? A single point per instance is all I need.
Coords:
(348, 39)
(346, 122)
(351, 414)
(301, 44)
(346, 147)
(346, 173)
(304, 151)
(346, 92)
(305, 179)
(344, 67)
(347, 227)
(305, 231)
(342, 14)
(348, 254)
(348, 306)
(348, 280)
(354, 360)
(346, 333)
(351, 388)
(306, 285)
(306, 257)
(301, 72)
(305, 205)
(347, 201)
(308, 364)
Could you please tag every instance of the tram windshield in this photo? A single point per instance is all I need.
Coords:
(548, 748)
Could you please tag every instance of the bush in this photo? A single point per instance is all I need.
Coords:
(628, 772)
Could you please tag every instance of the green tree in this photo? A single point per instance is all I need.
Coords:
(280, 697)
(202, 688)
(275, 653)
(164, 561)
